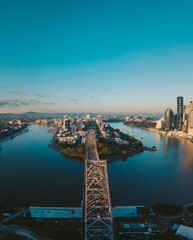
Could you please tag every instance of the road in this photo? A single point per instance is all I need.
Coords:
(4, 229)
(14, 216)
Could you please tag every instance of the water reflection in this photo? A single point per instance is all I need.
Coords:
(165, 175)
(188, 156)
(33, 174)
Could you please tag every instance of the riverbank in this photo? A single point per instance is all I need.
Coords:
(175, 133)
(6, 138)
(109, 159)
(142, 124)
(58, 148)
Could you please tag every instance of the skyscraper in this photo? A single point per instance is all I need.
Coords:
(190, 123)
(66, 124)
(180, 108)
(169, 118)
(190, 118)
(175, 121)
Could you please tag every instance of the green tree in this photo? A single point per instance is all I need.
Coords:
(81, 150)
(124, 153)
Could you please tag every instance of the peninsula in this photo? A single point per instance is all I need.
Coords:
(112, 144)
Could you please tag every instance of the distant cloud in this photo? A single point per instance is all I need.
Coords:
(39, 95)
(74, 100)
(51, 103)
(18, 102)
(19, 92)
(92, 97)
(16, 92)
(117, 93)
(3, 102)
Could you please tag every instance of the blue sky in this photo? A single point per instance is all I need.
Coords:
(95, 56)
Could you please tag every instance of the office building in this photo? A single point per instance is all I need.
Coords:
(190, 123)
(190, 106)
(73, 128)
(185, 126)
(180, 108)
(188, 119)
(169, 118)
(176, 121)
(66, 124)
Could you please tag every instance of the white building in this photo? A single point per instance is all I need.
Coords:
(185, 231)
(160, 123)
(119, 141)
(88, 116)
(127, 118)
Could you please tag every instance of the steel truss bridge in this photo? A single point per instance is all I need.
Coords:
(97, 212)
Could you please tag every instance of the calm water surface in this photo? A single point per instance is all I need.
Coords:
(33, 174)
(165, 175)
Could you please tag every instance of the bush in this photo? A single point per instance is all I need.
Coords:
(124, 153)
(100, 145)
(105, 152)
(81, 150)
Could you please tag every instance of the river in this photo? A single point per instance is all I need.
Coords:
(33, 174)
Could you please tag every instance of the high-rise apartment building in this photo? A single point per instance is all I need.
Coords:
(66, 124)
(190, 106)
(190, 118)
(176, 121)
(169, 119)
(190, 123)
(180, 108)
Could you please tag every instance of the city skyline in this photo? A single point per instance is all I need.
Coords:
(99, 57)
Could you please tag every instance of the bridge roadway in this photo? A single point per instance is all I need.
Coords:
(97, 212)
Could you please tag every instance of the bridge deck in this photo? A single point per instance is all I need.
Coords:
(97, 203)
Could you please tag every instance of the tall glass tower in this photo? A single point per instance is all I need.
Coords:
(180, 111)
(169, 119)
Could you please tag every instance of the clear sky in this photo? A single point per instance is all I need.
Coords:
(95, 56)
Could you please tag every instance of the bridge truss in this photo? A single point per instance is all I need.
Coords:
(97, 203)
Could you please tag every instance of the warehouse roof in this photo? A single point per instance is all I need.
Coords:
(185, 231)
(56, 212)
(76, 212)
